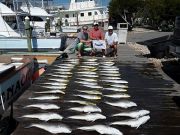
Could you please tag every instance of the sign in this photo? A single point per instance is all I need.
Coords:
(13, 87)
(99, 44)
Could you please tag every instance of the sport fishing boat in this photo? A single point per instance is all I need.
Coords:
(14, 40)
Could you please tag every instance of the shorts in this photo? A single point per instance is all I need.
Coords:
(83, 46)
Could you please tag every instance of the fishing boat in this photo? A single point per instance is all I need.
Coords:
(15, 78)
(83, 12)
(14, 40)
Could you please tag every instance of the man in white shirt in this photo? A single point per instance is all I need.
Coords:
(111, 39)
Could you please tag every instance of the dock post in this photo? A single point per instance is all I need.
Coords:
(47, 24)
(28, 33)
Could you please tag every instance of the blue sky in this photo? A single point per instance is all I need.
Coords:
(66, 2)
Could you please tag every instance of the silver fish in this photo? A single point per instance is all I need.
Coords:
(87, 79)
(52, 128)
(51, 92)
(51, 97)
(62, 73)
(110, 75)
(55, 83)
(115, 89)
(88, 109)
(58, 80)
(109, 72)
(93, 92)
(110, 69)
(93, 86)
(91, 59)
(62, 70)
(44, 116)
(44, 106)
(119, 86)
(132, 122)
(87, 67)
(92, 97)
(89, 73)
(80, 102)
(121, 95)
(54, 87)
(71, 60)
(122, 104)
(63, 67)
(91, 76)
(133, 114)
(60, 76)
(112, 78)
(88, 117)
(86, 83)
(67, 65)
(102, 129)
(91, 64)
(116, 81)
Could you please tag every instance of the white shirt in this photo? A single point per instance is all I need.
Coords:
(111, 38)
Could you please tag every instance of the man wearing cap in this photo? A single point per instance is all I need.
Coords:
(111, 39)
(84, 42)
(97, 34)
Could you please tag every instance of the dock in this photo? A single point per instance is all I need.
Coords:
(148, 87)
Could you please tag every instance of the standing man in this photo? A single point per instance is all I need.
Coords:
(84, 42)
(97, 34)
(111, 39)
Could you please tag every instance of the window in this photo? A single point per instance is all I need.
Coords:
(66, 15)
(36, 18)
(95, 13)
(89, 13)
(82, 14)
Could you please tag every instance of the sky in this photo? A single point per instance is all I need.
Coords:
(66, 2)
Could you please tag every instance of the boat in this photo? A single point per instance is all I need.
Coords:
(11, 40)
(83, 12)
(15, 78)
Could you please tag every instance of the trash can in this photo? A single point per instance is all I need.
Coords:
(122, 32)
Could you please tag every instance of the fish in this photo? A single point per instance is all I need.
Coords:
(108, 64)
(102, 129)
(80, 102)
(88, 73)
(87, 109)
(109, 72)
(62, 73)
(133, 114)
(119, 85)
(51, 91)
(110, 75)
(51, 97)
(93, 86)
(91, 59)
(71, 60)
(62, 69)
(87, 67)
(52, 128)
(58, 80)
(91, 76)
(91, 97)
(93, 92)
(122, 95)
(86, 83)
(55, 83)
(122, 104)
(136, 123)
(88, 117)
(109, 69)
(44, 116)
(116, 81)
(60, 76)
(87, 79)
(54, 87)
(44, 106)
(115, 89)
(67, 65)
(112, 78)
(91, 64)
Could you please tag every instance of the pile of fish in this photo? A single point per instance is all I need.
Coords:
(97, 87)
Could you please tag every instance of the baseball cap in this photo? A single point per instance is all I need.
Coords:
(110, 28)
(95, 23)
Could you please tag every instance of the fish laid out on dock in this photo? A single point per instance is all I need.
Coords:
(43, 106)
(50, 97)
(117, 96)
(88, 109)
(122, 104)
